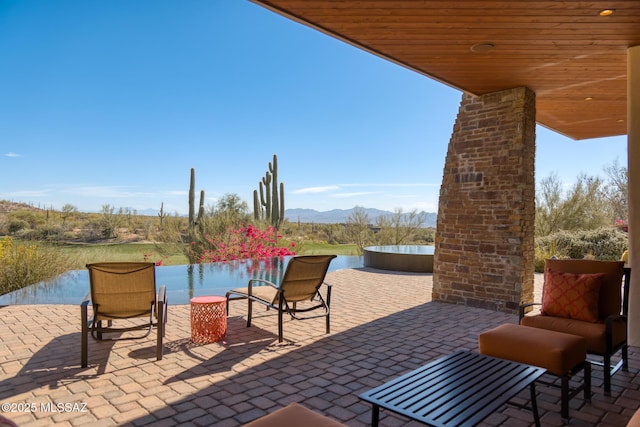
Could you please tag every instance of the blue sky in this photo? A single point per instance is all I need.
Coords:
(112, 102)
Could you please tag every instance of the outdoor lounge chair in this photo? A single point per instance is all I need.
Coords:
(590, 299)
(298, 292)
(123, 290)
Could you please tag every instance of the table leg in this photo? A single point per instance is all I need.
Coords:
(587, 382)
(534, 404)
(375, 415)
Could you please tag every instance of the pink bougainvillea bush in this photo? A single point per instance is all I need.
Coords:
(245, 243)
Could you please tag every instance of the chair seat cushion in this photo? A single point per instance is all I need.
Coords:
(294, 415)
(558, 353)
(594, 333)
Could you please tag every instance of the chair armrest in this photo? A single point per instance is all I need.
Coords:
(328, 301)
(608, 321)
(162, 294)
(161, 302)
(608, 334)
(523, 307)
(84, 305)
(86, 300)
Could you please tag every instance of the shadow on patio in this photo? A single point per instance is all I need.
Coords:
(383, 325)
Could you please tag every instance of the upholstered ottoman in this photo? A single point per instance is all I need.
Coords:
(294, 415)
(560, 354)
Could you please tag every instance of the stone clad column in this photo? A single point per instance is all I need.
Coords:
(484, 253)
(633, 167)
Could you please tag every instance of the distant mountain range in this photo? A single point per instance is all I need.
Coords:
(341, 216)
(335, 216)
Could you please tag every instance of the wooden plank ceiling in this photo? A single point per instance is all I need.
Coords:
(573, 58)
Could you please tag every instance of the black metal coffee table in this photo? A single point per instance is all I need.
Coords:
(460, 389)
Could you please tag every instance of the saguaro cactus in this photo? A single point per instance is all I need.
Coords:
(193, 219)
(195, 222)
(269, 205)
(162, 215)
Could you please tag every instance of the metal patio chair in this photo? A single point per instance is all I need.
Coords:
(299, 291)
(123, 290)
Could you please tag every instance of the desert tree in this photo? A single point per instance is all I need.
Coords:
(582, 207)
(358, 228)
(616, 190)
(110, 220)
(230, 211)
(67, 212)
(399, 227)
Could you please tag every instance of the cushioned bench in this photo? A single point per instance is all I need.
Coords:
(294, 415)
(561, 354)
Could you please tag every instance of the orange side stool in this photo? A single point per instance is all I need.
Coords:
(208, 319)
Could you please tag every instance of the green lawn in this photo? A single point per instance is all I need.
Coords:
(170, 254)
(87, 253)
(315, 248)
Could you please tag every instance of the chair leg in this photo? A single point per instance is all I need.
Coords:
(160, 332)
(606, 368)
(99, 334)
(164, 326)
(280, 337)
(250, 308)
(328, 324)
(84, 337)
(328, 304)
(587, 382)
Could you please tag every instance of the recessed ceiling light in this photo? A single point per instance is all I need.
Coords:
(482, 47)
(606, 12)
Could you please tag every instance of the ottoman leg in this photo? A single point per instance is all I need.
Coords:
(564, 399)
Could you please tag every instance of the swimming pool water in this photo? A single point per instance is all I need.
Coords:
(205, 279)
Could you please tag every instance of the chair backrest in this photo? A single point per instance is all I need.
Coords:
(122, 290)
(304, 276)
(610, 301)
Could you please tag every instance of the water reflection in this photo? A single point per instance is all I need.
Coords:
(182, 283)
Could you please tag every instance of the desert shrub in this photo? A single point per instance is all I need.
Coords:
(23, 264)
(425, 236)
(603, 244)
(50, 232)
(17, 225)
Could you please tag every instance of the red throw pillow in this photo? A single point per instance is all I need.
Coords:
(573, 296)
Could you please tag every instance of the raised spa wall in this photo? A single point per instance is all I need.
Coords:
(409, 258)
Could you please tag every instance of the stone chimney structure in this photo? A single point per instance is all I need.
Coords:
(484, 253)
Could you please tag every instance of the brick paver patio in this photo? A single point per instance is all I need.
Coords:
(383, 324)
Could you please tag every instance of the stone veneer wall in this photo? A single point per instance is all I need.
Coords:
(484, 254)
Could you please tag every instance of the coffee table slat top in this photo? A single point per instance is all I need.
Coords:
(460, 389)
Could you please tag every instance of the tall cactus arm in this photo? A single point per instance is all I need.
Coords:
(192, 197)
(256, 206)
(281, 202)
